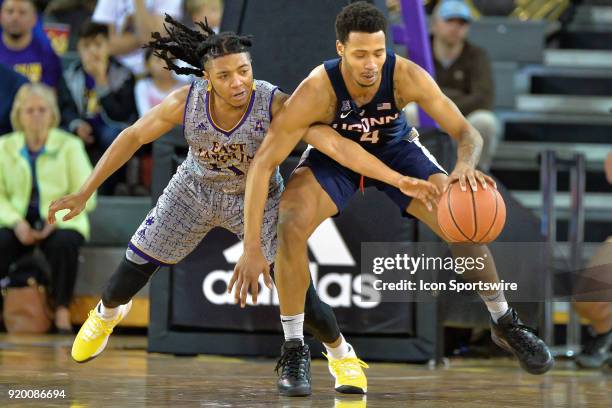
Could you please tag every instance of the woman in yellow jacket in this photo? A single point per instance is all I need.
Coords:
(40, 163)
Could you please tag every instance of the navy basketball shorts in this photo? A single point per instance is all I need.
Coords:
(409, 158)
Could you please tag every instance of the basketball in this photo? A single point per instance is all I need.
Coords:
(471, 216)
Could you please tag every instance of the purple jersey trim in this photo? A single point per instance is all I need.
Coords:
(242, 120)
(145, 256)
(187, 107)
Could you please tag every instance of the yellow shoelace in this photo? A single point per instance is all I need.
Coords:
(347, 368)
(96, 326)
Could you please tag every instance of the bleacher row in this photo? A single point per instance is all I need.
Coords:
(554, 98)
(546, 98)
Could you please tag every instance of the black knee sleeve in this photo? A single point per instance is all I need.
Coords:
(129, 278)
(319, 318)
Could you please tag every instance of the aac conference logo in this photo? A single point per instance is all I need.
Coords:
(329, 250)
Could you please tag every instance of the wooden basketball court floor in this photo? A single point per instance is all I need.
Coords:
(125, 375)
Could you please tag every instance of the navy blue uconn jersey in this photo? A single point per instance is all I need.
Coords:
(376, 123)
(378, 126)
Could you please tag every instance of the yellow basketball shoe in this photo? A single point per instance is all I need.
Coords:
(350, 378)
(93, 336)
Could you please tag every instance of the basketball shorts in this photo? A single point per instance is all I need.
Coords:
(409, 158)
(190, 207)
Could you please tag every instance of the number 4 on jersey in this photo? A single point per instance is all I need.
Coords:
(371, 137)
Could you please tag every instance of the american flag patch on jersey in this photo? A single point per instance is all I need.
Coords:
(383, 106)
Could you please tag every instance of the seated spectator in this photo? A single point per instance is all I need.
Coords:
(28, 54)
(103, 91)
(159, 83)
(10, 82)
(463, 72)
(31, 54)
(149, 92)
(211, 10)
(40, 163)
(101, 87)
(131, 23)
(597, 279)
(38, 31)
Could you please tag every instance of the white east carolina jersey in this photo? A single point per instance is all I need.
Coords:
(223, 156)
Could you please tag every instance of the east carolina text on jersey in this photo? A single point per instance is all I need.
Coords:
(223, 156)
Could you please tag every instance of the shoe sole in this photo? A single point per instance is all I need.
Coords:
(346, 389)
(103, 346)
(296, 392)
(350, 389)
(536, 371)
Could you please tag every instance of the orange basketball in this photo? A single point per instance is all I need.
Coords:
(468, 216)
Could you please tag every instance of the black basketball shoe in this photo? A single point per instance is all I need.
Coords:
(293, 369)
(596, 351)
(512, 335)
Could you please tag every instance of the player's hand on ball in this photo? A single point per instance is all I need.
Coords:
(422, 190)
(246, 275)
(464, 173)
(73, 202)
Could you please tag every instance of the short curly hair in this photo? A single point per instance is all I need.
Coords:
(361, 17)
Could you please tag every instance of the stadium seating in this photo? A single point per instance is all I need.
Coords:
(554, 98)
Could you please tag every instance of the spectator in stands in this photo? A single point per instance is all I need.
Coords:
(131, 23)
(28, 54)
(159, 83)
(38, 31)
(101, 87)
(149, 92)
(597, 280)
(38, 164)
(10, 82)
(32, 55)
(212, 10)
(463, 72)
(103, 91)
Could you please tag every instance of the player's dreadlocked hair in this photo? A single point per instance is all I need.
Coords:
(195, 47)
(361, 17)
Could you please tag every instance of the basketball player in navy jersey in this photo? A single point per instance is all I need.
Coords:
(225, 116)
(360, 95)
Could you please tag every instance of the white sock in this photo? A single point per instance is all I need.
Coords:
(293, 326)
(496, 304)
(338, 352)
(107, 313)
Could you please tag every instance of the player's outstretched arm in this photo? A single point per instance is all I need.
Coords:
(154, 124)
(306, 106)
(412, 83)
(352, 155)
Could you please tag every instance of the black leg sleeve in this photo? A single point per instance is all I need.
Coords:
(129, 278)
(319, 318)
